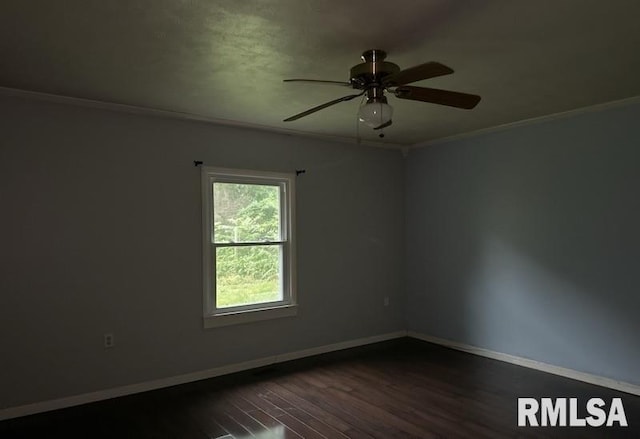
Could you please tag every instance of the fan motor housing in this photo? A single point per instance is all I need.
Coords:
(372, 70)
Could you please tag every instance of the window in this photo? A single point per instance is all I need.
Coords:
(248, 252)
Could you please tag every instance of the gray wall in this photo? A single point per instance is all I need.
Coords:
(527, 241)
(101, 232)
(523, 241)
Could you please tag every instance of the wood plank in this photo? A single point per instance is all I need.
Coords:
(398, 390)
(259, 400)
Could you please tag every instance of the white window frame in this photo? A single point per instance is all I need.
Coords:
(214, 317)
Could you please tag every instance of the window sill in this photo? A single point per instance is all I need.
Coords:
(254, 315)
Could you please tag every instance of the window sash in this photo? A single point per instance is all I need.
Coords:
(284, 207)
(247, 244)
(285, 281)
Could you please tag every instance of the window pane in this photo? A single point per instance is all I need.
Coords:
(246, 212)
(248, 275)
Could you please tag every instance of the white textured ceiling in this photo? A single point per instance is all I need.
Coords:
(225, 59)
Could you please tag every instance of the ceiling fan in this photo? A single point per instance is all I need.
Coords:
(375, 76)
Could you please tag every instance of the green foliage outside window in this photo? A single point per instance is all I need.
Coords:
(247, 213)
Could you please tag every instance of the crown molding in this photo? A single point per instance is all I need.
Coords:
(530, 121)
(177, 115)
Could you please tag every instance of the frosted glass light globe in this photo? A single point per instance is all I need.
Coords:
(375, 114)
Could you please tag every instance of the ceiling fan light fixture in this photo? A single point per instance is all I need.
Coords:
(375, 113)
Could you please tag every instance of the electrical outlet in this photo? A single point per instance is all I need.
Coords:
(109, 341)
(386, 301)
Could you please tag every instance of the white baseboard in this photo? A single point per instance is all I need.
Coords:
(70, 401)
(54, 404)
(532, 364)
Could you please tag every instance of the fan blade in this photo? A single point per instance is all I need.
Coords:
(323, 106)
(384, 125)
(348, 84)
(417, 73)
(436, 96)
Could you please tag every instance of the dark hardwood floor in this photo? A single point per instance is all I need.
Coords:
(399, 389)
